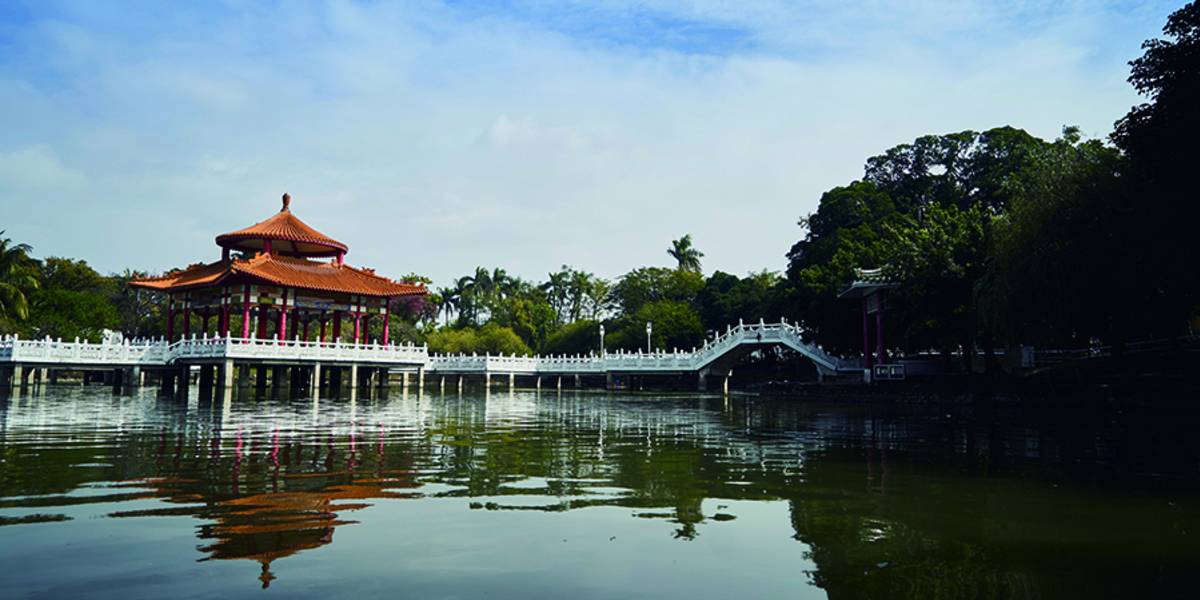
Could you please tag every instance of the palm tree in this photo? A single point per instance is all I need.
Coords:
(688, 257)
(16, 276)
(450, 299)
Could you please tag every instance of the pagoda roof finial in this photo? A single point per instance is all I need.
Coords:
(288, 235)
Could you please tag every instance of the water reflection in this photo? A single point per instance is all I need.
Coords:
(922, 501)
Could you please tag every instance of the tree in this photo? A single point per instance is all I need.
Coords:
(645, 285)
(726, 299)
(489, 339)
(140, 312)
(66, 314)
(844, 234)
(687, 256)
(1054, 253)
(17, 277)
(675, 325)
(964, 169)
(71, 275)
(1159, 138)
(937, 263)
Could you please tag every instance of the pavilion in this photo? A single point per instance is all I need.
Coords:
(871, 286)
(270, 274)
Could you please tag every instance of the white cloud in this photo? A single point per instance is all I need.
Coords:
(436, 138)
(35, 171)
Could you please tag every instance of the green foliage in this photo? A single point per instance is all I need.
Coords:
(528, 314)
(937, 262)
(687, 256)
(141, 313)
(575, 295)
(489, 339)
(962, 169)
(17, 278)
(66, 314)
(647, 285)
(580, 337)
(726, 299)
(59, 273)
(1159, 138)
(845, 233)
(1056, 253)
(674, 323)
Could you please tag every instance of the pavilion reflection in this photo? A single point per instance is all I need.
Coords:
(264, 499)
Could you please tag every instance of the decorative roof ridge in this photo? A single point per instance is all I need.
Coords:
(175, 274)
(285, 226)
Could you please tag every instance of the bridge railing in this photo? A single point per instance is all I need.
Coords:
(150, 352)
(295, 349)
(51, 351)
(483, 364)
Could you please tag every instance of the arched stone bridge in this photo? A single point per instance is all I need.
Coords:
(716, 358)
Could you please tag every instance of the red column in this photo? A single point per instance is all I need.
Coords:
(337, 325)
(204, 322)
(323, 319)
(357, 317)
(866, 335)
(386, 320)
(281, 327)
(262, 321)
(246, 312)
(187, 322)
(306, 324)
(879, 330)
(170, 318)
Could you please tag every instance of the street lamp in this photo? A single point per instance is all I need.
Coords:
(648, 330)
(602, 340)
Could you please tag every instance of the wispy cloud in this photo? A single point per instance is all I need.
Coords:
(437, 136)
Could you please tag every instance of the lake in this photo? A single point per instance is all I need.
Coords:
(579, 494)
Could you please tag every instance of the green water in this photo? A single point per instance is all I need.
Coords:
(590, 495)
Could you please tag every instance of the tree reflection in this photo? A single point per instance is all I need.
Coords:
(929, 502)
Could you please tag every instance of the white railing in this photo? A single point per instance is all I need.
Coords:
(297, 350)
(48, 351)
(159, 353)
(676, 360)
(152, 352)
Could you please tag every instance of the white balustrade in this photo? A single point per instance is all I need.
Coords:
(152, 352)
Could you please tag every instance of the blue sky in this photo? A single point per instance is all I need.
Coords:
(439, 136)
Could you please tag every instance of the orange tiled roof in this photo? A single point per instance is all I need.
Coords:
(283, 271)
(289, 236)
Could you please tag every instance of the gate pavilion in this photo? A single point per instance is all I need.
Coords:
(271, 273)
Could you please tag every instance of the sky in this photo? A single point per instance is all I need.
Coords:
(437, 136)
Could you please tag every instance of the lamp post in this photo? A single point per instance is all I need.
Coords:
(602, 340)
(648, 330)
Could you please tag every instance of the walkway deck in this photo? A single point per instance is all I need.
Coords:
(716, 357)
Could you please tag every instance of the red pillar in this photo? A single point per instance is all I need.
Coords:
(204, 322)
(306, 324)
(385, 329)
(246, 312)
(337, 325)
(170, 318)
(357, 325)
(262, 322)
(866, 335)
(187, 322)
(879, 330)
(281, 328)
(323, 319)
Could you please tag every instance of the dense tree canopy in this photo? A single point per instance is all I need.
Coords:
(17, 278)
